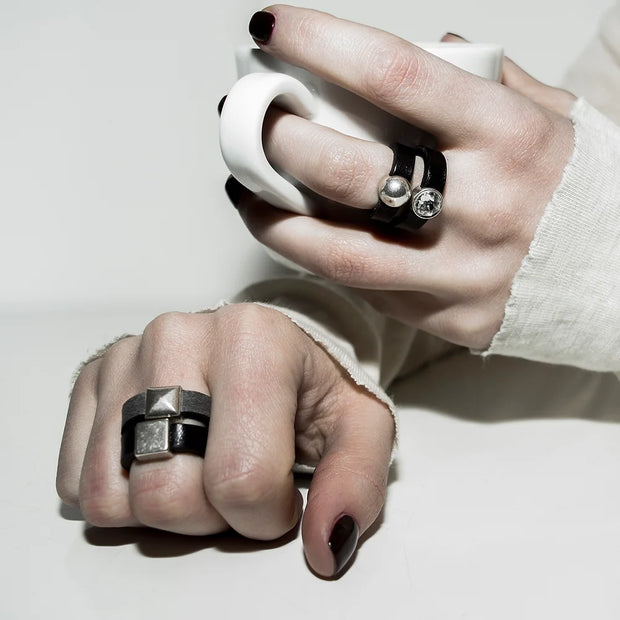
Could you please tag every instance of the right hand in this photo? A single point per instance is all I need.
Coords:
(278, 398)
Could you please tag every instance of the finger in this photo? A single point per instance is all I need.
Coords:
(386, 70)
(454, 38)
(80, 417)
(355, 256)
(338, 167)
(103, 488)
(349, 485)
(251, 447)
(169, 494)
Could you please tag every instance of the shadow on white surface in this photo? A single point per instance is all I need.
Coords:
(502, 389)
(154, 543)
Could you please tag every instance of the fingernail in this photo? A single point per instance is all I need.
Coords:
(453, 34)
(343, 541)
(261, 26)
(220, 105)
(234, 189)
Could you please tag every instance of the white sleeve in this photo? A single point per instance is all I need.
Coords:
(565, 301)
(564, 306)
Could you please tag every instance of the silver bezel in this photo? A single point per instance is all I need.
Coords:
(419, 191)
(163, 402)
(152, 440)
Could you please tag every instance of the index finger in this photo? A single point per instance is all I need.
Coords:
(392, 73)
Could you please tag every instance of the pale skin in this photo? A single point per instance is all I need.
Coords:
(277, 396)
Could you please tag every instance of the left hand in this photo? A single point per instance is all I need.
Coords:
(506, 146)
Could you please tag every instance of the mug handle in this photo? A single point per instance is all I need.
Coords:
(241, 135)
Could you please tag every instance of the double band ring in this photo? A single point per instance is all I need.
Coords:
(164, 421)
(399, 204)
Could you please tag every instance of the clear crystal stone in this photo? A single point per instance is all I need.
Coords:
(427, 203)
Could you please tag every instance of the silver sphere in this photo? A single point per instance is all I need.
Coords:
(394, 191)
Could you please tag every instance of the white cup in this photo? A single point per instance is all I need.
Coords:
(265, 80)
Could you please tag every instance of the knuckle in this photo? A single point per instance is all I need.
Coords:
(241, 486)
(67, 491)
(473, 328)
(103, 501)
(248, 317)
(393, 70)
(255, 344)
(166, 327)
(168, 337)
(248, 328)
(161, 497)
(529, 135)
(103, 509)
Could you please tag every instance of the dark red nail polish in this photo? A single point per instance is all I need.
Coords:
(220, 105)
(343, 541)
(234, 189)
(261, 26)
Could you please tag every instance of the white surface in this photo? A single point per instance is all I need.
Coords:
(486, 519)
(111, 182)
(111, 177)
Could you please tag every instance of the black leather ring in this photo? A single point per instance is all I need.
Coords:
(402, 166)
(430, 191)
(153, 424)
(185, 403)
(175, 437)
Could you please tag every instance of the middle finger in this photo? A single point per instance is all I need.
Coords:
(390, 72)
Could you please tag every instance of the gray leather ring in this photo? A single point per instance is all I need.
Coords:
(166, 402)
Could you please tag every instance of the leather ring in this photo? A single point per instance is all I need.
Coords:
(387, 210)
(159, 439)
(153, 424)
(174, 401)
(427, 199)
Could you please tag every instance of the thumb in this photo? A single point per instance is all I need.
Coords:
(349, 484)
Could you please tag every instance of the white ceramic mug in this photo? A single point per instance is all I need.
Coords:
(265, 80)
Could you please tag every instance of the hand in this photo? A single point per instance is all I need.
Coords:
(277, 398)
(506, 147)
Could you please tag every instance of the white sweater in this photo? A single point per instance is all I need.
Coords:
(564, 306)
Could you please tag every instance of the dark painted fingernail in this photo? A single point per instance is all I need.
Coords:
(234, 189)
(261, 26)
(453, 34)
(220, 105)
(343, 541)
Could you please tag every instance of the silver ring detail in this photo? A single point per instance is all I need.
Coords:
(427, 202)
(394, 191)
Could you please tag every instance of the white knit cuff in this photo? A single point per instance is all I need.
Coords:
(564, 305)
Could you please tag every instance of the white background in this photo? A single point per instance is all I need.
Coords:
(504, 504)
